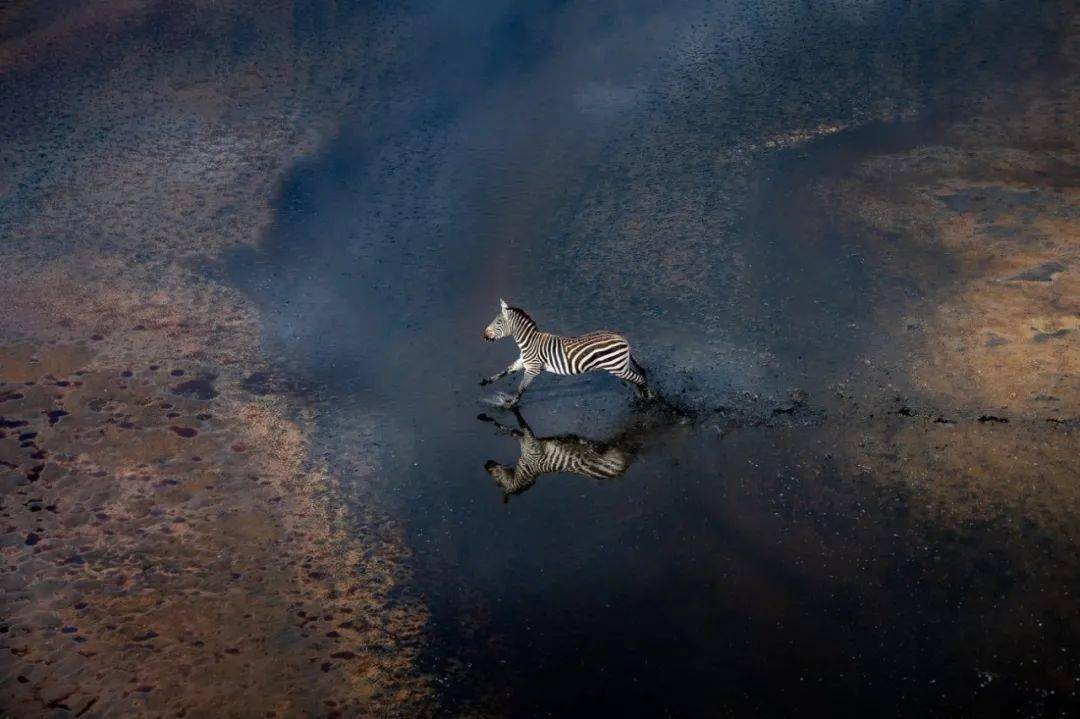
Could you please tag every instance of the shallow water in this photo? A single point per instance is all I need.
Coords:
(625, 167)
(808, 523)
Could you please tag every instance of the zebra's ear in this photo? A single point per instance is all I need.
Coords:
(502, 303)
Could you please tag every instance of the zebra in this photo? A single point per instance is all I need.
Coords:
(541, 351)
(567, 454)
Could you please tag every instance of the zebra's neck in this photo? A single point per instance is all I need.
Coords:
(524, 328)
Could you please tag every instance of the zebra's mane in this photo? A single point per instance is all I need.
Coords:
(523, 314)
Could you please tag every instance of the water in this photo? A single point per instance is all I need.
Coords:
(624, 166)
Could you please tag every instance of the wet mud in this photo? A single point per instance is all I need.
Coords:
(154, 537)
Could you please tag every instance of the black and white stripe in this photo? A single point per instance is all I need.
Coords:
(544, 351)
(568, 454)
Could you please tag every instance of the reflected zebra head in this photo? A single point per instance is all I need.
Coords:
(504, 477)
(500, 326)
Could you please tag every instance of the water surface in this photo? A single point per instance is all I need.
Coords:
(651, 169)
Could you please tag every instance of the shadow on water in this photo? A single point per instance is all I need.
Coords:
(602, 166)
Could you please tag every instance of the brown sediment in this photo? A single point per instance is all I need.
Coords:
(150, 570)
(1001, 331)
(169, 544)
(986, 222)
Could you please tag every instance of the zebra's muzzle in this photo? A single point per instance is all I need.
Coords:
(489, 336)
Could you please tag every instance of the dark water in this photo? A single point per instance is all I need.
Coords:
(605, 166)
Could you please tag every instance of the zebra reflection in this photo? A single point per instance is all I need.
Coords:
(568, 454)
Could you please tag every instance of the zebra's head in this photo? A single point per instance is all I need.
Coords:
(504, 477)
(500, 326)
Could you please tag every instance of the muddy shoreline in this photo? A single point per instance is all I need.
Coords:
(161, 529)
(171, 544)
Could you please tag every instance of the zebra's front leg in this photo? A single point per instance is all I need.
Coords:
(515, 366)
(526, 380)
(500, 427)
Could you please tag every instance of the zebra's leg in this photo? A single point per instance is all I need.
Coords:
(531, 373)
(525, 428)
(635, 374)
(500, 428)
(515, 366)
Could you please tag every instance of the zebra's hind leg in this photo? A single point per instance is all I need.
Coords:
(644, 392)
(640, 388)
(635, 375)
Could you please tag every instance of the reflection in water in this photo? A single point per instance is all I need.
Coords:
(566, 454)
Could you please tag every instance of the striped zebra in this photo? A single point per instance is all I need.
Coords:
(541, 351)
(567, 454)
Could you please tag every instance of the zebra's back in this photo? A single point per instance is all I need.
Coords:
(601, 350)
